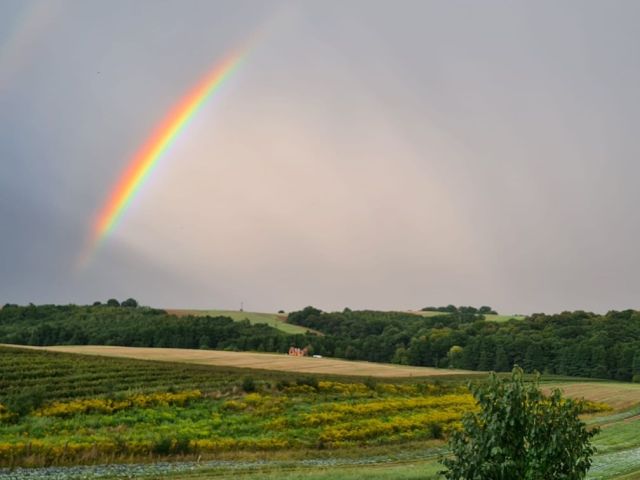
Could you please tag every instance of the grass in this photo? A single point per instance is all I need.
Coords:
(503, 318)
(427, 470)
(488, 317)
(263, 361)
(275, 320)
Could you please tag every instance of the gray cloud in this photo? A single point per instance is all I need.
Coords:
(367, 154)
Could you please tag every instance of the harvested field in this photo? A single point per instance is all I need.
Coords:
(263, 361)
(617, 394)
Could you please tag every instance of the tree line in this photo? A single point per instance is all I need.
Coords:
(570, 343)
(128, 325)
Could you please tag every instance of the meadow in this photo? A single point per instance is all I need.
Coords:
(275, 320)
(489, 317)
(210, 421)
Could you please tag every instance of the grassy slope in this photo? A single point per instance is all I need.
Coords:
(503, 318)
(279, 321)
(275, 320)
(489, 318)
(618, 442)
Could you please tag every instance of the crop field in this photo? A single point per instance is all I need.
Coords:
(275, 320)
(59, 409)
(64, 409)
(617, 394)
(264, 361)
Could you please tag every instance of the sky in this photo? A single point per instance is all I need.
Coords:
(366, 154)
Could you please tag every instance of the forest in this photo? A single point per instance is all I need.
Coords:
(576, 343)
(114, 324)
(581, 344)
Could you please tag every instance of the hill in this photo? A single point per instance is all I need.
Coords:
(275, 320)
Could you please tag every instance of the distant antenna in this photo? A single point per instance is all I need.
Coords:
(242, 306)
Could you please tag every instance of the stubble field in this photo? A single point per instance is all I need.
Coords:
(263, 361)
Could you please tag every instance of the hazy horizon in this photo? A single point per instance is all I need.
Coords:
(364, 155)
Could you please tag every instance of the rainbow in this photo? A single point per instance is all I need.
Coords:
(147, 157)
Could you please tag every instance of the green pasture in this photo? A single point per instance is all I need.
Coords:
(503, 318)
(272, 319)
(487, 317)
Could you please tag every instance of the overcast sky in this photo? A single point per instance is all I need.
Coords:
(386, 155)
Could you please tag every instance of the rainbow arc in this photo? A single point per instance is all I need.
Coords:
(147, 157)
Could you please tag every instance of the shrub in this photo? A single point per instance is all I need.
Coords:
(310, 381)
(520, 434)
(283, 384)
(248, 385)
(436, 430)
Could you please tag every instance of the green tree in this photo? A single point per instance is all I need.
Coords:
(130, 302)
(484, 362)
(486, 310)
(635, 368)
(534, 358)
(520, 434)
(112, 302)
(502, 361)
(455, 355)
(400, 356)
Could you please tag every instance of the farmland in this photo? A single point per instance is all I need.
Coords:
(578, 344)
(274, 320)
(62, 409)
(263, 361)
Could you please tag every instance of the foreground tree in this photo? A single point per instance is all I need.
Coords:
(519, 433)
